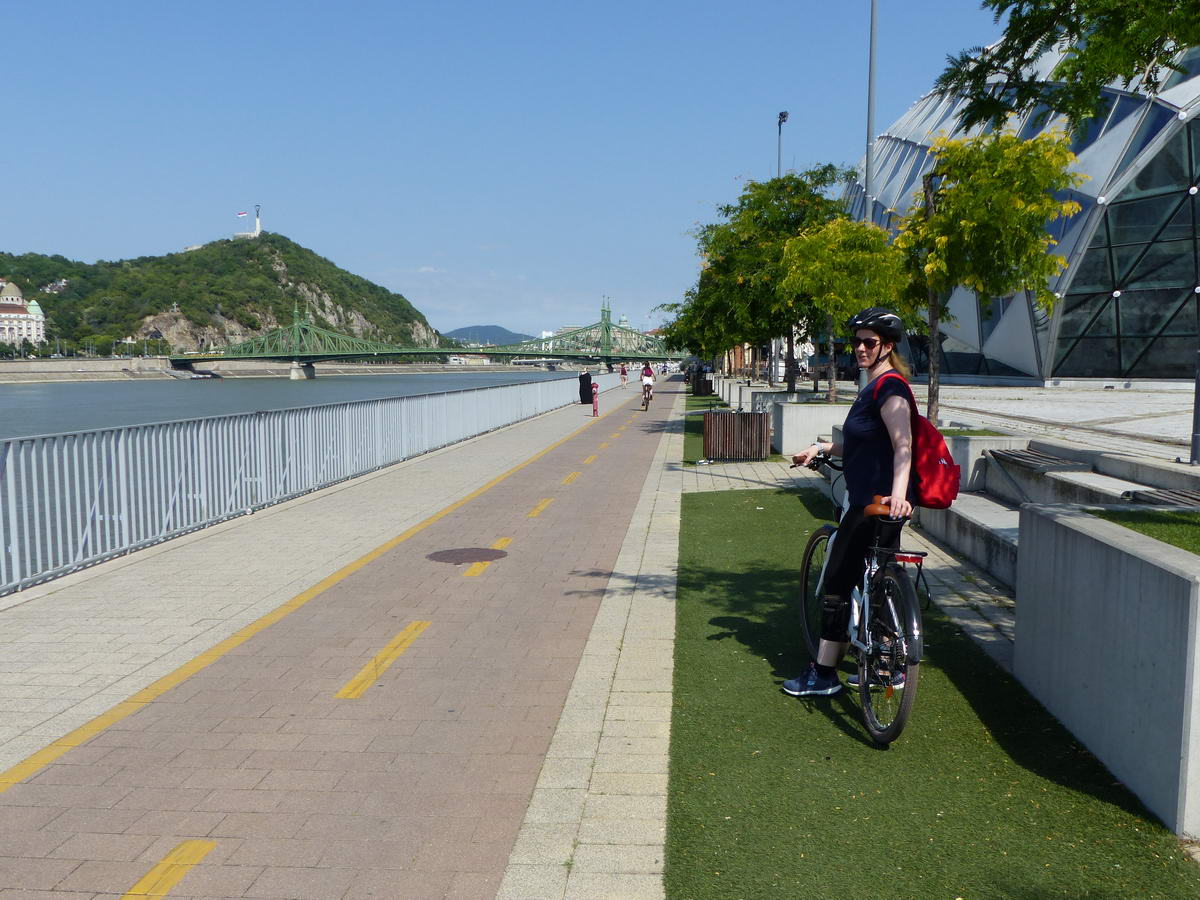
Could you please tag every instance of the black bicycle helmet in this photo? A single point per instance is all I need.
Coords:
(880, 320)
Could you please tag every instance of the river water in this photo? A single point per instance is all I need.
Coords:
(51, 408)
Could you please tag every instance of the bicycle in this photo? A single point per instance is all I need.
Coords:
(646, 390)
(885, 633)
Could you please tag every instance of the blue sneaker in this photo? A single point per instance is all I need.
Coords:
(897, 681)
(811, 683)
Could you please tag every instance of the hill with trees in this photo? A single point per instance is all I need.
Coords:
(487, 334)
(222, 292)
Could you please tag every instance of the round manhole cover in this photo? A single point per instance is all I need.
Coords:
(467, 555)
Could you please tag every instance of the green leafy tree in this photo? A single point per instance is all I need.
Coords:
(734, 300)
(1108, 40)
(836, 269)
(981, 222)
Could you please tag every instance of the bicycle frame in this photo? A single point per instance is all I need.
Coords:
(860, 597)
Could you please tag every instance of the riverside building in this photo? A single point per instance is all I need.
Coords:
(1130, 295)
(19, 321)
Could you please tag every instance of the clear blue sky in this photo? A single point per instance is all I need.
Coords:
(497, 163)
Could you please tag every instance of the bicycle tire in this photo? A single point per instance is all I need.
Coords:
(893, 638)
(810, 595)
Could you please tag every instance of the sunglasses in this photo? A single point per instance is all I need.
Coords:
(869, 343)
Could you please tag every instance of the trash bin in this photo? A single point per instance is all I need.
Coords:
(737, 435)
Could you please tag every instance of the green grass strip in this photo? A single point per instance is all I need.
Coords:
(693, 426)
(1179, 527)
(984, 795)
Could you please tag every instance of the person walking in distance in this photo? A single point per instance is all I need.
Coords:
(624, 377)
(877, 459)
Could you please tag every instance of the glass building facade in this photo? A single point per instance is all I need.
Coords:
(1130, 295)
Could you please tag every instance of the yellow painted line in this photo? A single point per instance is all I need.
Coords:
(591, 459)
(33, 764)
(480, 567)
(571, 477)
(604, 446)
(615, 434)
(541, 507)
(170, 871)
(357, 686)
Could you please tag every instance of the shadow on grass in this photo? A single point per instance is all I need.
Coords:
(761, 614)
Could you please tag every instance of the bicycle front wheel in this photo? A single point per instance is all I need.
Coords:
(811, 571)
(889, 668)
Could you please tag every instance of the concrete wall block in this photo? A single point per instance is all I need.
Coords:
(1106, 639)
(796, 425)
(968, 453)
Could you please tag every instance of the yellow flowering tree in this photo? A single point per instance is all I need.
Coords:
(834, 270)
(980, 222)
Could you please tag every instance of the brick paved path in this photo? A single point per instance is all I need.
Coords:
(263, 782)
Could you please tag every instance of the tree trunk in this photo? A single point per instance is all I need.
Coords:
(790, 362)
(832, 396)
(935, 303)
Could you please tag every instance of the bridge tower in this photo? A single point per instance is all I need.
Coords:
(606, 340)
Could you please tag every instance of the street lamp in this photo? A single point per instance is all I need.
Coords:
(779, 146)
(867, 181)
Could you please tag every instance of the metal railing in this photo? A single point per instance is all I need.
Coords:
(72, 500)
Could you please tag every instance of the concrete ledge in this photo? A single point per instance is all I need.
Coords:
(1107, 640)
(982, 529)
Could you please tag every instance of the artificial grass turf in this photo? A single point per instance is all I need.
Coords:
(1179, 527)
(693, 426)
(984, 795)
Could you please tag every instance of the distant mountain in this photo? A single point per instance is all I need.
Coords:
(222, 292)
(487, 334)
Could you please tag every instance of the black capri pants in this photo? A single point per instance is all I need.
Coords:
(844, 569)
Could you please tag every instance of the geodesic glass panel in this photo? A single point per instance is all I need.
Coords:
(1138, 221)
(1084, 313)
(1155, 120)
(1146, 314)
(1165, 264)
(1167, 171)
(1167, 357)
(1092, 273)
(1181, 226)
(1087, 358)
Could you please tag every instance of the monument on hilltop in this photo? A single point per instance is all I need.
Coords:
(257, 225)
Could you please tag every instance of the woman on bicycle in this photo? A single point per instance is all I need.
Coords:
(648, 379)
(877, 457)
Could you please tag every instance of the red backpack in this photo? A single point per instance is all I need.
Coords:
(935, 476)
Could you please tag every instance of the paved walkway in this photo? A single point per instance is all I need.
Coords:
(263, 710)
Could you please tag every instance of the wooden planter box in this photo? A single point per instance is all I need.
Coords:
(737, 435)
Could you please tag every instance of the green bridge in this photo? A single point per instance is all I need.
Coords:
(304, 344)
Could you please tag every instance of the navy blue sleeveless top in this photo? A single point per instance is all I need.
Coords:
(866, 446)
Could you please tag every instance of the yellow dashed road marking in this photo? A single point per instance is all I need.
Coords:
(480, 567)
(571, 477)
(541, 507)
(604, 446)
(615, 434)
(170, 871)
(357, 686)
(34, 763)
(591, 459)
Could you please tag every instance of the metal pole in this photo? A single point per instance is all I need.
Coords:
(783, 117)
(868, 185)
(1196, 417)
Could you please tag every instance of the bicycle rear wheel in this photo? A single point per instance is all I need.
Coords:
(810, 587)
(889, 669)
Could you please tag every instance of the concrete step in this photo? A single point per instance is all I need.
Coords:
(1038, 477)
(1154, 473)
(981, 528)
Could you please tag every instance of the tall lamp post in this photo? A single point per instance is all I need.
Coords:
(868, 185)
(779, 146)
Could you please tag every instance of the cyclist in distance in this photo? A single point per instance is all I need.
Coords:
(877, 459)
(648, 379)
